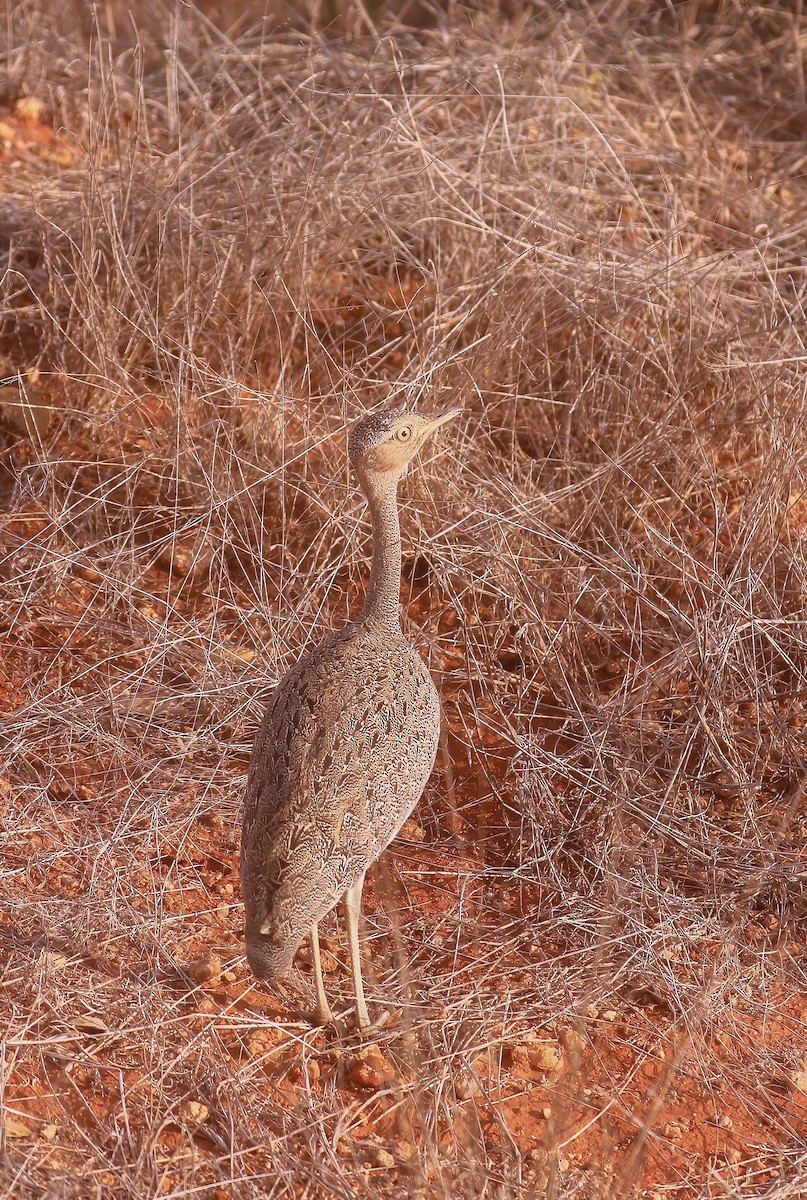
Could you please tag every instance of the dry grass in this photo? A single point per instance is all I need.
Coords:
(589, 225)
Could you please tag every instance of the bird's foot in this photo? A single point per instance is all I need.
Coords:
(326, 1020)
(368, 1028)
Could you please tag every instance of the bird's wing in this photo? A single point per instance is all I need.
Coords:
(333, 772)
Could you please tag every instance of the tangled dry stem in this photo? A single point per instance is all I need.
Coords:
(587, 225)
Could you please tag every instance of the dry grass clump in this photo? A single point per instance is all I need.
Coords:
(588, 225)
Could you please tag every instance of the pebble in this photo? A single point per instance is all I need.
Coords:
(259, 1043)
(369, 1068)
(465, 1087)
(798, 1078)
(195, 1111)
(545, 1057)
(29, 108)
(674, 1130)
(573, 1041)
(328, 960)
(536, 1056)
(204, 969)
(411, 831)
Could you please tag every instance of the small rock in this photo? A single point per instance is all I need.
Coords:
(306, 958)
(202, 970)
(407, 1154)
(572, 1040)
(540, 1162)
(536, 1169)
(724, 1121)
(370, 1069)
(48, 1132)
(609, 1014)
(314, 1070)
(546, 1056)
(465, 1087)
(799, 1079)
(29, 108)
(195, 1112)
(259, 1043)
(383, 1158)
(412, 832)
(535, 1056)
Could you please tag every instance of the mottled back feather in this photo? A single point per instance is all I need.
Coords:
(345, 749)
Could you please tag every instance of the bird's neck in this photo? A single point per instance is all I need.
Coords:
(382, 603)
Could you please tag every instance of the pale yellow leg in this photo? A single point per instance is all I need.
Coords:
(324, 1014)
(352, 915)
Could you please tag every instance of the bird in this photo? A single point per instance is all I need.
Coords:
(346, 746)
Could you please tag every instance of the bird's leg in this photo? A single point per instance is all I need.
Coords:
(324, 1014)
(352, 914)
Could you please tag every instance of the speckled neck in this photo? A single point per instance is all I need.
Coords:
(382, 605)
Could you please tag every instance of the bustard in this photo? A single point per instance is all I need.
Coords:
(346, 746)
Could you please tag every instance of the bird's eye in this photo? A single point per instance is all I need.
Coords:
(404, 433)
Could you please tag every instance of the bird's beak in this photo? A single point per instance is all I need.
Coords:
(440, 419)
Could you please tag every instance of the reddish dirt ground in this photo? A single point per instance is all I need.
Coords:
(622, 1090)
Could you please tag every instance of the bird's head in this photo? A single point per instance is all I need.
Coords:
(385, 442)
(268, 958)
